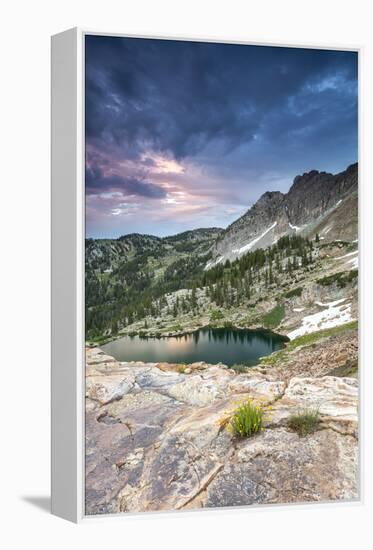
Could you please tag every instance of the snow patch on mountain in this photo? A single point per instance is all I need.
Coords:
(326, 230)
(213, 263)
(347, 255)
(331, 304)
(353, 261)
(294, 227)
(335, 314)
(248, 246)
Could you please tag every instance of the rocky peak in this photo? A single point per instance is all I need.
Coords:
(270, 197)
(308, 178)
(311, 198)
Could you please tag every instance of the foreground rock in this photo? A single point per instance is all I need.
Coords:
(155, 438)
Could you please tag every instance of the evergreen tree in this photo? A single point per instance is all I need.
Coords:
(278, 264)
(289, 267)
(114, 327)
(194, 297)
(270, 274)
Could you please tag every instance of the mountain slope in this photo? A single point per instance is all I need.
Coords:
(104, 255)
(288, 254)
(310, 204)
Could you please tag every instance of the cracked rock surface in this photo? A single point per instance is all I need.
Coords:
(154, 440)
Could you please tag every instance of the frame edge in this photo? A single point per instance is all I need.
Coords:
(66, 352)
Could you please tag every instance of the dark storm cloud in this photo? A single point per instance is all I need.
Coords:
(245, 118)
(97, 182)
(178, 96)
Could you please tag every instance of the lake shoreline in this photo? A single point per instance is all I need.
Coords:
(184, 332)
(210, 344)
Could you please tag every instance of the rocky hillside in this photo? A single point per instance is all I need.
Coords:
(292, 268)
(157, 434)
(316, 200)
(104, 255)
(157, 438)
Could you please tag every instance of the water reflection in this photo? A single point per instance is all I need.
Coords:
(228, 346)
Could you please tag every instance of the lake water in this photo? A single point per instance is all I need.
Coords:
(228, 346)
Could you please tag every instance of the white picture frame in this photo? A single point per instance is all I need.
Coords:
(68, 233)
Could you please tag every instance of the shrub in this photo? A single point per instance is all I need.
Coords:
(215, 315)
(294, 292)
(304, 422)
(352, 247)
(239, 368)
(246, 420)
(181, 369)
(176, 328)
(274, 317)
(342, 278)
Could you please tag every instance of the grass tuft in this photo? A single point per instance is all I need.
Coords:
(341, 279)
(274, 317)
(294, 292)
(176, 328)
(238, 368)
(246, 420)
(304, 422)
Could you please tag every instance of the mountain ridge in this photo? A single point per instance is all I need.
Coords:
(311, 197)
(308, 234)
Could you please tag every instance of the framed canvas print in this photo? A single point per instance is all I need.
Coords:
(204, 275)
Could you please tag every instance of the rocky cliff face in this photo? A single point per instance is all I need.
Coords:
(314, 199)
(155, 439)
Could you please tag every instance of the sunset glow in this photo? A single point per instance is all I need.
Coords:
(186, 134)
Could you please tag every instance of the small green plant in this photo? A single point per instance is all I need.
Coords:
(294, 292)
(181, 369)
(176, 328)
(341, 279)
(274, 317)
(216, 315)
(352, 247)
(304, 422)
(238, 368)
(246, 420)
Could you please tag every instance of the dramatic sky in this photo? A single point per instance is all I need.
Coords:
(181, 135)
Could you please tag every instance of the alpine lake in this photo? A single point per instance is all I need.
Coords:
(212, 345)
